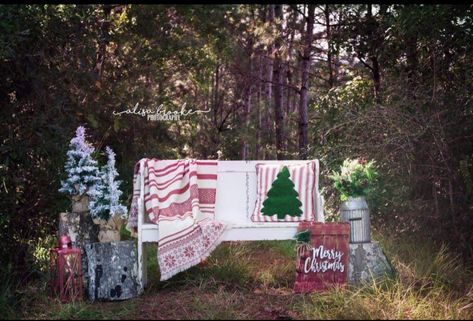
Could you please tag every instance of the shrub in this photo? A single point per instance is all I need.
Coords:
(356, 178)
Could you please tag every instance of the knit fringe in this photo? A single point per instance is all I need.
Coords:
(192, 263)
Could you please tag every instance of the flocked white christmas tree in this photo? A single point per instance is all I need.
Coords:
(81, 168)
(105, 194)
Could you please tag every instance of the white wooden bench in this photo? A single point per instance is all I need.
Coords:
(235, 201)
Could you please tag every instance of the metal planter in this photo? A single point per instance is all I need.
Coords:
(355, 211)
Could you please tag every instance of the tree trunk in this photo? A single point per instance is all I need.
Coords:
(328, 32)
(376, 78)
(258, 110)
(215, 94)
(103, 42)
(412, 64)
(289, 81)
(216, 108)
(268, 123)
(247, 112)
(278, 89)
(304, 91)
(375, 70)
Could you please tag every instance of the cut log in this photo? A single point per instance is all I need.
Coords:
(113, 271)
(367, 262)
(80, 228)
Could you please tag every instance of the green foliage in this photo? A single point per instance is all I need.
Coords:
(356, 178)
(282, 198)
(282, 248)
(354, 95)
(39, 253)
(9, 298)
(303, 237)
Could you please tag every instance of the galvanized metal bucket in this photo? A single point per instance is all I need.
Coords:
(355, 211)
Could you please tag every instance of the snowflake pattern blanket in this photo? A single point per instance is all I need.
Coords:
(179, 196)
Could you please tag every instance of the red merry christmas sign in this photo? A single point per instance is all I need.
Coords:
(323, 262)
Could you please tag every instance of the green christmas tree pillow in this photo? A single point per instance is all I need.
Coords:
(285, 193)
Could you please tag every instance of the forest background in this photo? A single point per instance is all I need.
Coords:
(390, 83)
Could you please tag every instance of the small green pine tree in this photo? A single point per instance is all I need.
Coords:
(282, 197)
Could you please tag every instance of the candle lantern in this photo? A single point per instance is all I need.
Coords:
(66, 271)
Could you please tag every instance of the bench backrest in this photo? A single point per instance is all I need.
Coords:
(236, 191)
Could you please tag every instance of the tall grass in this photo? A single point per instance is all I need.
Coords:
(9, 296)
(431, 283)
(396, 300)
(228, 267)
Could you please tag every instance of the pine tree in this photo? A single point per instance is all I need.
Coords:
(105, 194)
(282, 197)
(81, 168)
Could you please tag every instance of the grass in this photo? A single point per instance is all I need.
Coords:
(254, 280)
(9, 295)
(387, 301)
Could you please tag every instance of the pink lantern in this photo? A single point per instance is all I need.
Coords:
(66, 271)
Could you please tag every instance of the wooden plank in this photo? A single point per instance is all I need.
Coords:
(327, 264)
(241, 233)
(259, 234)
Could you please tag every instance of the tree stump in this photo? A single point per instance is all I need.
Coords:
(113, 271)
(367, 262)
(80, 228)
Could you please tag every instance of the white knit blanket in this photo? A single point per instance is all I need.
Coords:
(179, 196)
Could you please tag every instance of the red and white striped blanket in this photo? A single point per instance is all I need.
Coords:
(179, 196)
